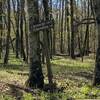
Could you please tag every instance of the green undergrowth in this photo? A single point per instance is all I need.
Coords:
(72, 77)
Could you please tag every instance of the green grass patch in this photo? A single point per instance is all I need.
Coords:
(74, 77)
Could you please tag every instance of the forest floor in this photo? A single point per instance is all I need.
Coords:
(73, 78)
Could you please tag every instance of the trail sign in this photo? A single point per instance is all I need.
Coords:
(42, 25)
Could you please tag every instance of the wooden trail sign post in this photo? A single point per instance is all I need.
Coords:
(45, 26)
(42, 25)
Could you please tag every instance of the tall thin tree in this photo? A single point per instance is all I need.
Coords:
(8, 34)
(97, 66)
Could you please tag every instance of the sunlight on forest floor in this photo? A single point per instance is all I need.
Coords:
(74, 77)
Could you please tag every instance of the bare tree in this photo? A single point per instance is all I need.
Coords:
(97, 66)
(1, 28)
(72, 30)
(8, 34)
(46, 11)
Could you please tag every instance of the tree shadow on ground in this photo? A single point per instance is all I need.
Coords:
(18, 73)
(87, 75)
(19, 67)
(80, 77)
(16, 93)
(76, 76)
(73, 73)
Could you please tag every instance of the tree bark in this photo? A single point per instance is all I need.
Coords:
(17, 29)
(61, 35)
(8, 34)
(47, 51)
(1, 27)
(36, 75)
(72, 30)
(23, 55)
(97, 66)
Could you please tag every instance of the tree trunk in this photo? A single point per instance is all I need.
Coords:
(68, 28)
(47, 52)
(23, 55)
(36, 75)
(97, 66)
(61, 36)
(8, 35)
(26, 37)
(72, 29)
(1, 28)
(17, 30)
